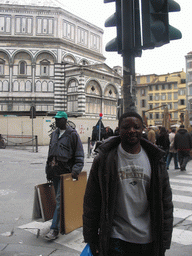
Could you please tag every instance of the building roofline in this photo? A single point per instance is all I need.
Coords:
(47, 8)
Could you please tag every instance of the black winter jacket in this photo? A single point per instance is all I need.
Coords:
(163, 141)
(67, 150)
(182, 140)
(101, 191)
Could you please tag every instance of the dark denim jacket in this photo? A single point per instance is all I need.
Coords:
(67, 150)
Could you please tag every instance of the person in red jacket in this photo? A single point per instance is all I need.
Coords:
(128, 207)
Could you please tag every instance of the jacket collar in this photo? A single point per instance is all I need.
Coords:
(67, 131)
(152, 150)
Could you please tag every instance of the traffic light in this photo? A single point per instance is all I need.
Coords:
(127, 20)
(115, 20)
(155, 23)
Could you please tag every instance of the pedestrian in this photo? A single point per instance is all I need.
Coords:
(108, 132)
(151, 135)
(128, 206)
(163, 141)
(183, 144)
(172, 151)
(2, 142)
(65, 155)
(116, 131)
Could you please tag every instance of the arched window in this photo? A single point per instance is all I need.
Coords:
(22, 68)
(2, 64)
(44, 67)
(72, 99)
(72, 86)
(93, 98)
(110, 101)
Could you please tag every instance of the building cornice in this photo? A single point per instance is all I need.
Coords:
(50, 42)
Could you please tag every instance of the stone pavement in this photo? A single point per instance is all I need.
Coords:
(19, 235)
(20, 171)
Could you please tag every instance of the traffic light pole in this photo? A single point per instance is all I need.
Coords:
(128, 43)
(128, 82)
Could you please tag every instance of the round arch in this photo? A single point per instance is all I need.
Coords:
(71, 79)
(45, 52)
(94, 94)
(110, 100)
(72, 95)
(69, 58)
(83, 62)
(111, 91)
(93, 87)
(5, 53)
(22, 51)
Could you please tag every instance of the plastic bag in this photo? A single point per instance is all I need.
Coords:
(86, 251)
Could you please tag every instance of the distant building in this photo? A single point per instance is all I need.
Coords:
(53, 60)
(188, 58)
(154, 92)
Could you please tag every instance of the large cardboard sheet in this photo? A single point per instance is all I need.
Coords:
(72, 195)
(44, 202)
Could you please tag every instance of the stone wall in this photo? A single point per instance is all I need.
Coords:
(13, 125)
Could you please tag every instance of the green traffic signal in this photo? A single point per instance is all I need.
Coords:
(112, 46)
(111, 21)
(173, 6)
(115, 20)
(174, 33)
(155, 23)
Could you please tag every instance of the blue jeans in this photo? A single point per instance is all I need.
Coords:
(56, 216)
(169, 157)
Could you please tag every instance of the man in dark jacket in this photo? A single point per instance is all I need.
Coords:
(183, 144)
(128, 206)
(65, 156)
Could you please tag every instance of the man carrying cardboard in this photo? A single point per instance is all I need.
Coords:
(65, 156)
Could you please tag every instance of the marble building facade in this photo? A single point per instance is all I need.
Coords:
(53, 60)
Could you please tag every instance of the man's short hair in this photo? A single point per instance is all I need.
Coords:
(130, 114)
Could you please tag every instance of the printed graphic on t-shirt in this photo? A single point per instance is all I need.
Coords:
(133, 171)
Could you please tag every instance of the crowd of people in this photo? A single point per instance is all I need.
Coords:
(176, 144)
(127, 208)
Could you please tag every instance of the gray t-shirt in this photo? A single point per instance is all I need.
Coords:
(132, 215)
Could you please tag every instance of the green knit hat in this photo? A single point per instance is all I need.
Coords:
(61, 114)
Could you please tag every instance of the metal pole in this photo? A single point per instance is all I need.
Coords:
(128, 82)
(88, 149)
(7, 130)
(99, 129)
(36, 142)
(128, 43)
(32, 132)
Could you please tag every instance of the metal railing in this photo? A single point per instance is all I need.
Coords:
(23, 141)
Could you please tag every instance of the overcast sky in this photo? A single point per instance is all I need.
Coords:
(166, 59)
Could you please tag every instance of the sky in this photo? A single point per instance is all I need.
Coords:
(165, 59)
